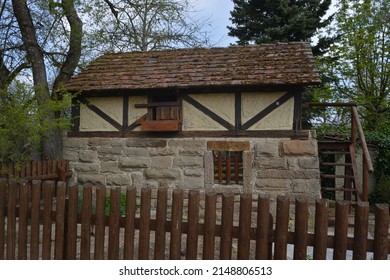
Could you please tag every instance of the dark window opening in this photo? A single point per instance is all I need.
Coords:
(228, 167)
(166, 107)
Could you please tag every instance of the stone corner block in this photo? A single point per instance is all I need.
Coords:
(299, 148)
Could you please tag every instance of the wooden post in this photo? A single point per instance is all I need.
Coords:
(360, 231)
(281, 230)
(381, 242)
(227, 226)
(301, 227)
(341, 230)
(113, 224)
(176, 224)
(320, 230)
(263, 227)
(209, 226)
(244, 226)
(161, 217)
(131, 198)
(3, 186)
(100, 226)
(144, 228)
(193, 220)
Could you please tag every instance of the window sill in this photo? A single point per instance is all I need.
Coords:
(166, 125)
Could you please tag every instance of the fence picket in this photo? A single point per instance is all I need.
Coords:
(360, 231)
(48, 190)
(341, 230)
(192, 225)
(381, 244)
(301, 228)
(131, 194)
(3, 186)
(23, 219)
(161, 215)
(86, 212)
(113, 224)
(176, 224)
(35, 219)
(244, 226)
(281, 229)
(227, 226)
(60, 221)
(11, 219)
(209, 228)
(71, 246)
(320, 229)
(100, 222)
(263, 227)
(144, 227)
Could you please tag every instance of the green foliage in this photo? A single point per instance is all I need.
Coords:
(24, 122)
(122, 210)
(277, 20)
(381, 194)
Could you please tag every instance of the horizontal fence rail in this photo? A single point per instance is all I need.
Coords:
(94, 222)
(36, 170)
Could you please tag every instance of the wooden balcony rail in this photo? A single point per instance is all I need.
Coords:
(361, 188)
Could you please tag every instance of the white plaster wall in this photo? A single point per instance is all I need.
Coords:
(193, 119)
(136, 113)
(279, 119)
(90, 121)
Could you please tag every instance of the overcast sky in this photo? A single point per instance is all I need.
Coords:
(218, 11)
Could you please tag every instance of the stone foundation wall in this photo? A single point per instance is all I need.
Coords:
(271, 165)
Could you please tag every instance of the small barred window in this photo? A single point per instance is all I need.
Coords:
(228, 167)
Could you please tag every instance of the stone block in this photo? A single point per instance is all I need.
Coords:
(102, 151)
(148, 142)
(109, 167)
(75, 143)
(161, 151)
(70, 155)
(86, 167)
(167, 174)
(161, 162)
(119, 180)
(188, 161)
(98, 142)
(310, 187)
(95, 179)
(197, 172)
(299, 148)
(288, 174)
(134, 162)
(190, 182)
(187, 143)
(88, 156)
(271, 163)
(267, 148)
(142, 152)
(280, 184)
(137, 179)
(118, 142)
(309, 162)
(191, 152)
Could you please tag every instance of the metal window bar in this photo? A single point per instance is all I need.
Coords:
(228, 167)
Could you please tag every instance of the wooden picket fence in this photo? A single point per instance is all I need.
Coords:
(161, 224)
(57, 170)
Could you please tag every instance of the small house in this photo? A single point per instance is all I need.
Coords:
(222, 119)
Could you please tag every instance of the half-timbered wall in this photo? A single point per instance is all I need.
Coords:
(233, 112)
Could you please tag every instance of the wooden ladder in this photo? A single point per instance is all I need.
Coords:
(339, 155)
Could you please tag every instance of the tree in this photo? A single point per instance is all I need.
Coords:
(36, 57)
(357, 66)
(149, 25)
(264, 21)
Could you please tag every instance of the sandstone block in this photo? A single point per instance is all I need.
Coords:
(153, 143)
(98, 142)
(271, 163)
(134, 162)
(273, 184)
(92, 178)
(135, 152)
(119, 180)
(109, 167)
(267, 148)
(70, 155)
(309, 162)
(86, 167)
(168, 174)
(161, 151)
(288, 174)
(118, 142)
(75, 143)
(161, 162)
(299, 148)
(186, 161)
(197, 172)
(187, 143)
(190, 182)
(88, 156)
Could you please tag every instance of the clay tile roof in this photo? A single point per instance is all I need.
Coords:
(266, 64)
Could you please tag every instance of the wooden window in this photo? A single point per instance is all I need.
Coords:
(228, 167)
(163, 114)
